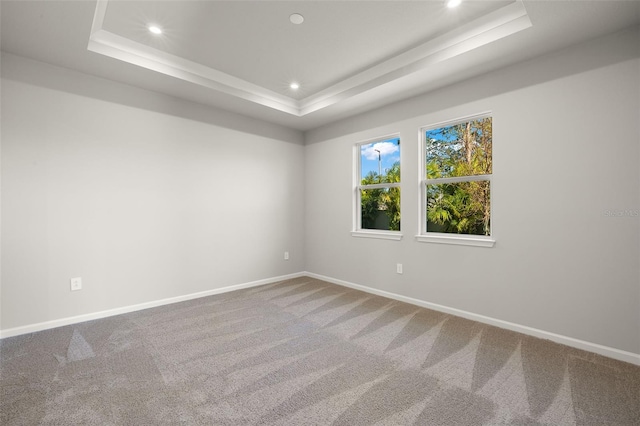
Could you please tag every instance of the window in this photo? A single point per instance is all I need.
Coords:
(377, 192)
(456, 182)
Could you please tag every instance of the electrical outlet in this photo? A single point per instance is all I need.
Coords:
(286, 255)
(76, 284)
(399, 268)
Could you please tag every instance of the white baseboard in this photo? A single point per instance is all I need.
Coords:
(32, 328)
(607, 351)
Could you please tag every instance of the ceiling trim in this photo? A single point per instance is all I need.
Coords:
(118, 47)
(501, 23)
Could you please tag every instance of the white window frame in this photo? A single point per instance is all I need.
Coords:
(440, 237)
(357, 230)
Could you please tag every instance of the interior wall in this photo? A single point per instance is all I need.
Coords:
(147, 197)
(566, 162)
(143, 196)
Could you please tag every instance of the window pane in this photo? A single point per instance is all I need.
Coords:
(459, 208)
(380, 208)
(380, 162)
(460, 150)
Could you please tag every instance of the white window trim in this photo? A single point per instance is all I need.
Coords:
(438, 237)
(377, 233)
(462, 240)
(357, 230)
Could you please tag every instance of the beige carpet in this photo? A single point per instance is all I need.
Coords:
(305, 352)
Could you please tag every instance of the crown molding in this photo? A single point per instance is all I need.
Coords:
(496, 25)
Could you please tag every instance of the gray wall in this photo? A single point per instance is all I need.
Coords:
(149, 197)
(143, 196)
(566, 150)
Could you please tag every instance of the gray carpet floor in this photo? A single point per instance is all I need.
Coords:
(305, 352)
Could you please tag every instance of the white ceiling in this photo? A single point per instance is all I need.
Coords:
(256, 42)
(348, 56)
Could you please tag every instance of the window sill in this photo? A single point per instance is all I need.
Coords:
(466, 240)
(382, 235)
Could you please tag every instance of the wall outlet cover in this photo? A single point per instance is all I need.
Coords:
(76, 284)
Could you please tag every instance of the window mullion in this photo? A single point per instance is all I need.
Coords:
(380, 186)
(457, 179)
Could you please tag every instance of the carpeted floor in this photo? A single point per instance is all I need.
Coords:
(305, 352)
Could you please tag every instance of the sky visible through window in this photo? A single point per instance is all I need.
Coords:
(379, 156)
(443, 134)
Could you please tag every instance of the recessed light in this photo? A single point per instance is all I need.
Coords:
(155, 29)
(453, 3)
(296, 19)
(294, 86)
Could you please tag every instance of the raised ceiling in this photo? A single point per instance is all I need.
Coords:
(256, 42)
(347, 56)
(252, 51)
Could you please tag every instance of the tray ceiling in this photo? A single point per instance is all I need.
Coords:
(252, 51)
(349, 57)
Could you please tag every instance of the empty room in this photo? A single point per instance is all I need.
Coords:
(348, 213)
